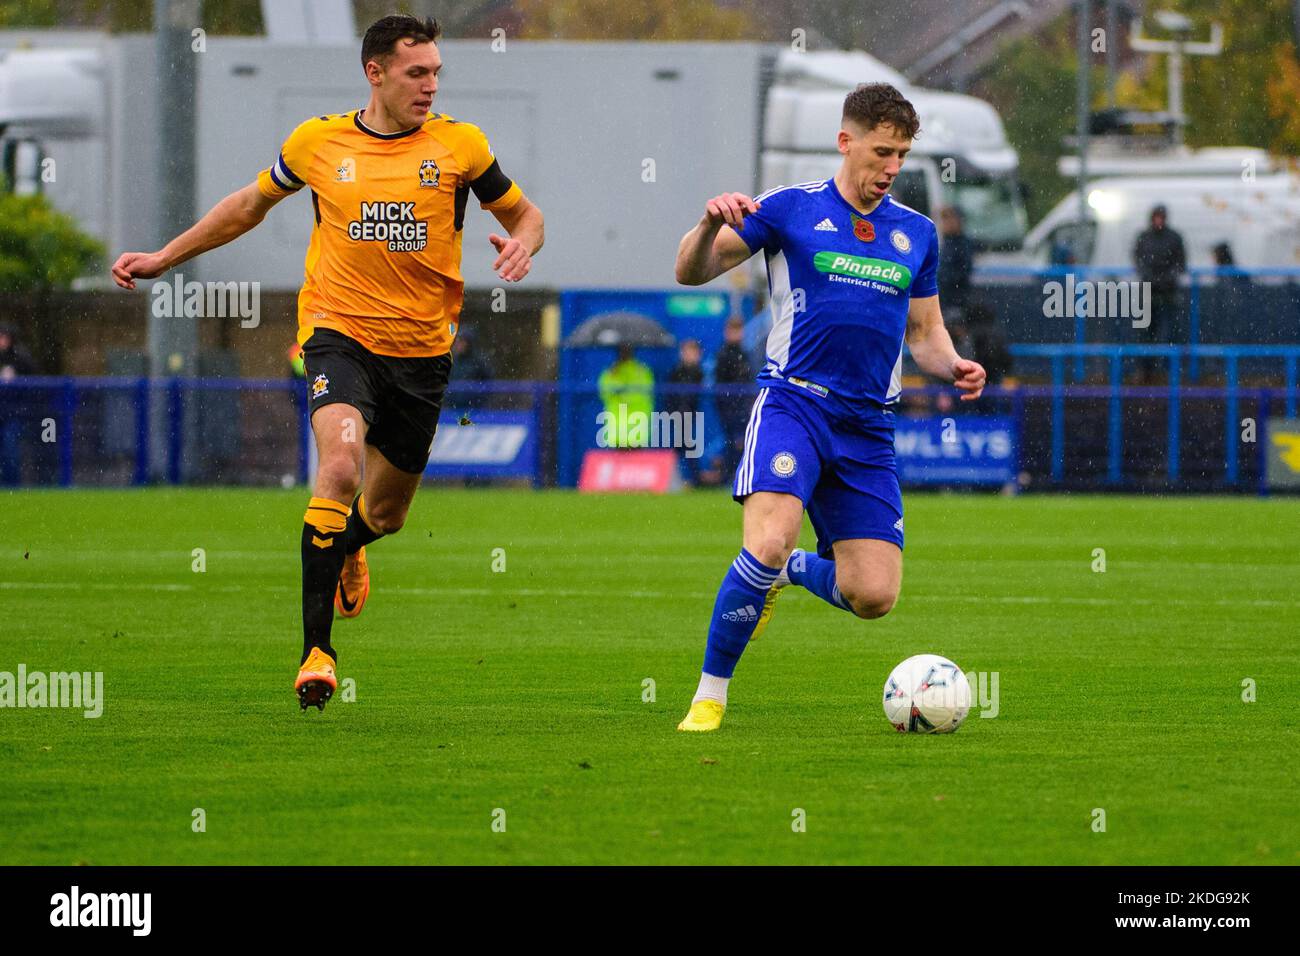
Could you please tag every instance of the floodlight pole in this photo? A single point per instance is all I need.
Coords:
(1082, 93)
(1112, 50)
(173, 339)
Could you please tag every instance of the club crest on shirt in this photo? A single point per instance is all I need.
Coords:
(864, 230)
(784, 464)
(347, 171)
(430, 174)
(320, 386)
(900, 241)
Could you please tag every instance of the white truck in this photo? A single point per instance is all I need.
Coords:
(1240, 196)
(619, 143)
(1258, 218)
(961, 157)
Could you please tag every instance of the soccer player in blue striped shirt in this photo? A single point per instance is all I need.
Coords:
(851, 276)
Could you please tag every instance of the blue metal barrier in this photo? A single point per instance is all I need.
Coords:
(25, 403)
(97, 444)
(1244, 306)
(1174, 391)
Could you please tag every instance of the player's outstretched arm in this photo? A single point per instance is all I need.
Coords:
(932, 349)
(527, 232)
(708, 250)
(227, 220)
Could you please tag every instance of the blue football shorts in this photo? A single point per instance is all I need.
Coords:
(840, 466)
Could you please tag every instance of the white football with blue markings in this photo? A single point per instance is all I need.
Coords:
(926, 694)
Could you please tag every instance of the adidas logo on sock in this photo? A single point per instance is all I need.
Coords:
(742, 615)
(825, 226)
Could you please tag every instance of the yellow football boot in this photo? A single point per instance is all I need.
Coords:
(704, 715)
(354, 585)
(316, 682)
(765, 615)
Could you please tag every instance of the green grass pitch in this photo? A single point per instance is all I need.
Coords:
(523, 690)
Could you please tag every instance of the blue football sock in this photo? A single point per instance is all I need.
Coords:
(817, 574)
(735, 613)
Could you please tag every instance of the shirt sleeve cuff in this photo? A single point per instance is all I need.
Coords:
(507, 199)
(269, 187)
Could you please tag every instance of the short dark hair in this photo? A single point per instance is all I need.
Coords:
(877, 104)
(384, 33)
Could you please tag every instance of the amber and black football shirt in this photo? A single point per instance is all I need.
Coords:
(383, 266)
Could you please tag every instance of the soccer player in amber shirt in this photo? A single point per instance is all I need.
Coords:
(379, 304)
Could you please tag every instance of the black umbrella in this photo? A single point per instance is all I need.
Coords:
(620, 328)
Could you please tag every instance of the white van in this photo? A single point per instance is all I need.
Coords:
(962, 157)
(1259, 220)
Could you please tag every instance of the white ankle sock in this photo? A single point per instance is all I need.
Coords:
(712, 688)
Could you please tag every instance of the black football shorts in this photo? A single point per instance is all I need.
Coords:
(399, 398)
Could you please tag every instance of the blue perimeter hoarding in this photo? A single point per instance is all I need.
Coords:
(958, 450)
(495, 444)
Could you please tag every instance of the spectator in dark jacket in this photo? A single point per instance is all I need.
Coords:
(688, 376)
(732, 373)
(956, 260)
(14, 359)
(14, 362)
(1235, 286)
(468, 365)
(1160, 259)
(688, 372)
(1159, 255)
(988, 341)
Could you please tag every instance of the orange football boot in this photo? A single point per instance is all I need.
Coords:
(354, 585)
(316, 682)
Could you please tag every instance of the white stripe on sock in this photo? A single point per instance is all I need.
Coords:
(752, 571)
(744, 575)
(749, 577)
